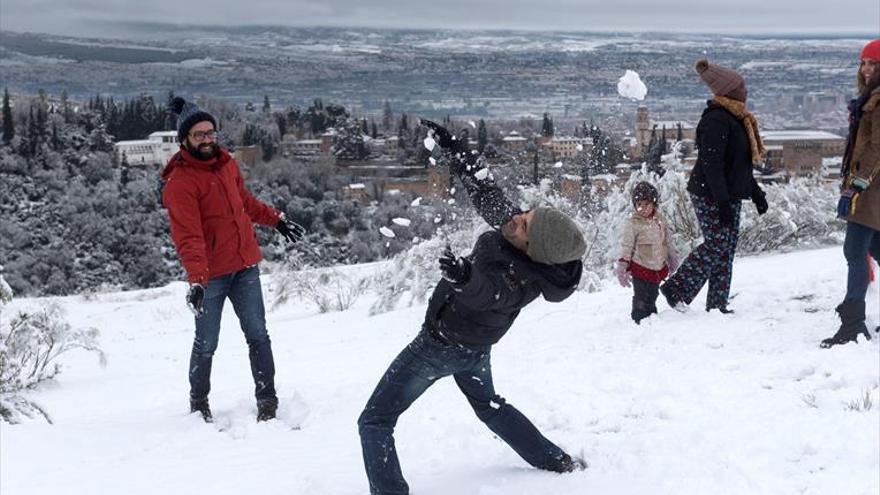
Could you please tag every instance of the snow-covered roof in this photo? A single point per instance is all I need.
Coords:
(832, 161)
(136, 142)
(357, 185)
(164, 134)
(800, 135)
(572, 177)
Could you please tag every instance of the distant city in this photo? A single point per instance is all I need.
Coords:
(794, 83)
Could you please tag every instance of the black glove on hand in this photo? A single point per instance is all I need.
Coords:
(291, 230)
(441, 135)
(760, 201)
(195, 299)
(725, 213)
(455, 270)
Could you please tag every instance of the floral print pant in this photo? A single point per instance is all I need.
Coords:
(712, 260)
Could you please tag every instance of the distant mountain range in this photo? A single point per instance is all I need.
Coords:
(494, 74)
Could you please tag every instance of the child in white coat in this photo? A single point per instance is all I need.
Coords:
(647, 252)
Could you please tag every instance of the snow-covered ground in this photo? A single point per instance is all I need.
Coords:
(690, 403)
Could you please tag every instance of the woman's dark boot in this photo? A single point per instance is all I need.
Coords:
(852, 323)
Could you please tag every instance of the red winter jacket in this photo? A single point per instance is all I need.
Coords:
(212, 215)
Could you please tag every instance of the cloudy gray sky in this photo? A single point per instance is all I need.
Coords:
(94, 17)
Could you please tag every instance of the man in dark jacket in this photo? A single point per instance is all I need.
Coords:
(729, 146)
(212, 215)
(535, 253)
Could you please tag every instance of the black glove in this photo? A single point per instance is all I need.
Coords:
(725, 213)
(760, 201)
(455, 270)
(291, 230)
(442, 136)
(195, 299)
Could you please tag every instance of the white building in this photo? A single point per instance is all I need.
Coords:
(157, 149)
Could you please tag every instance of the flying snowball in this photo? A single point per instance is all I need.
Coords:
(386, 232)
(403, 222)
(631, 86)
(430, 143)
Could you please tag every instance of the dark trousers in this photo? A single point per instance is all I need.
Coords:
(644, 302)
(712, 260)
(859, 242)
(424, 361)
(243, 290)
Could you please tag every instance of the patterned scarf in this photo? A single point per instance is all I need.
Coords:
(738, 109)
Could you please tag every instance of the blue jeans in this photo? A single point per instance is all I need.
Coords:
(243, 290)
(424, 361)
(860, 240)
(712, 260)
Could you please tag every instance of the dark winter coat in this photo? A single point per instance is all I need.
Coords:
(212, 215)
(503, 281)
(865, 163)
(503, 278)
(724, 169)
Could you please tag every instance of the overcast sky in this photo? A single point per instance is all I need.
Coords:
(95, 17)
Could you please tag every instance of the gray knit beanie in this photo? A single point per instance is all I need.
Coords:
(188, 115)
(554, 237)
(721, 80)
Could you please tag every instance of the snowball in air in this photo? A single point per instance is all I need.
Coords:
(416, 202)
(386, 232)
(558, 165)
(430, 143)
(631, 86)
(403, 222)
(482, 174)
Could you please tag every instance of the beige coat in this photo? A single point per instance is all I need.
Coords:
(866, 163)
(646, 241)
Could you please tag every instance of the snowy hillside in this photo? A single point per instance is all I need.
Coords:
(690, 403)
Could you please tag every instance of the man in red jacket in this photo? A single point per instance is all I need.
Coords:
(212, 215)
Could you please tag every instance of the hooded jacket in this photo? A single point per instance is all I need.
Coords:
(503, 278)
(646, 241)
(503, 281)
(212, 215)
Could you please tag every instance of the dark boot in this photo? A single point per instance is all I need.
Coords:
(672, 300)
(567, 464)
(852, 323)
(722, 309)
(266, 409)
(201, 406)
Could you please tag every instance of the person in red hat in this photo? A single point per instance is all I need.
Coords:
(860, 196)
(729, 147)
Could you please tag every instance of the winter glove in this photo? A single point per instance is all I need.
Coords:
(453, 269)
(760, 201)
(291, 230)
(195, 299)
(623, 274)
(725, 214)
(441, 135)
(672, 261)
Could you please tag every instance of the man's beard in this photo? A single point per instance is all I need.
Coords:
(205, 151)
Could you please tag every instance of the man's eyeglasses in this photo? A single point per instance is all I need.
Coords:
(200, 136)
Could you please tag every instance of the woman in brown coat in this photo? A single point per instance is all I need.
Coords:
(861, 184)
